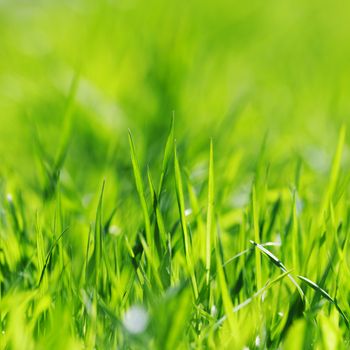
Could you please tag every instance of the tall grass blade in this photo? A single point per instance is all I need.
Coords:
(141, 193)
(210, 213)
(185, 235)
(257, 238)
(167, 154)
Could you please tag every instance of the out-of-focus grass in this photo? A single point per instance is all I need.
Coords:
(267, 81)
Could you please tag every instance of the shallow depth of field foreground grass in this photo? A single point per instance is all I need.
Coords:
(174, 175)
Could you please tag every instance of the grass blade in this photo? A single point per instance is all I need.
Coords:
(210, 212)
(279, 264)
(167, 154)
(257, 239)
(141, 193)
(320, 290)
(185, 235)
(334, 173)
(98, 239)
(224, 289)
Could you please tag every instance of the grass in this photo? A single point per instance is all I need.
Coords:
(174, 175)
(190, 299)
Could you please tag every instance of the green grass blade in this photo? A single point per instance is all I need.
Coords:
(141, 193)
(98, 239)
(248, 301)
(210, 213)
(279, 264)
(185, 235)
(223, 287)
(167, 154)
(152, 263)
(49, 254)
(320, 290)
(257, 238)
(158, 215)
(334, 175)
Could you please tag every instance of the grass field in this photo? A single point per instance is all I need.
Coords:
(174, 174)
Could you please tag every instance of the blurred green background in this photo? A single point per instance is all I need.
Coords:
(230, 70)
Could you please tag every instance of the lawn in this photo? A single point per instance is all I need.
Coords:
(174, 174)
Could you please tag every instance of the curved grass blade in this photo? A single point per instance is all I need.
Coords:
(320, 290)
(248, 301)
(48, 256)
(243, 252)
(279, 264)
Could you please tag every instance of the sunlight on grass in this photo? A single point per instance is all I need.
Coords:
(174, 175)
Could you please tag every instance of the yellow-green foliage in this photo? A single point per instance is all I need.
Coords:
(230, 230)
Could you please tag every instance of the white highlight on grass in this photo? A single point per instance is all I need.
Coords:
(278, 239)
(299, 205)
(87, 198)
(9, 197)
(136, 320)
(188, 212)
(115, 230)
(214, 311)
(257, 341)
